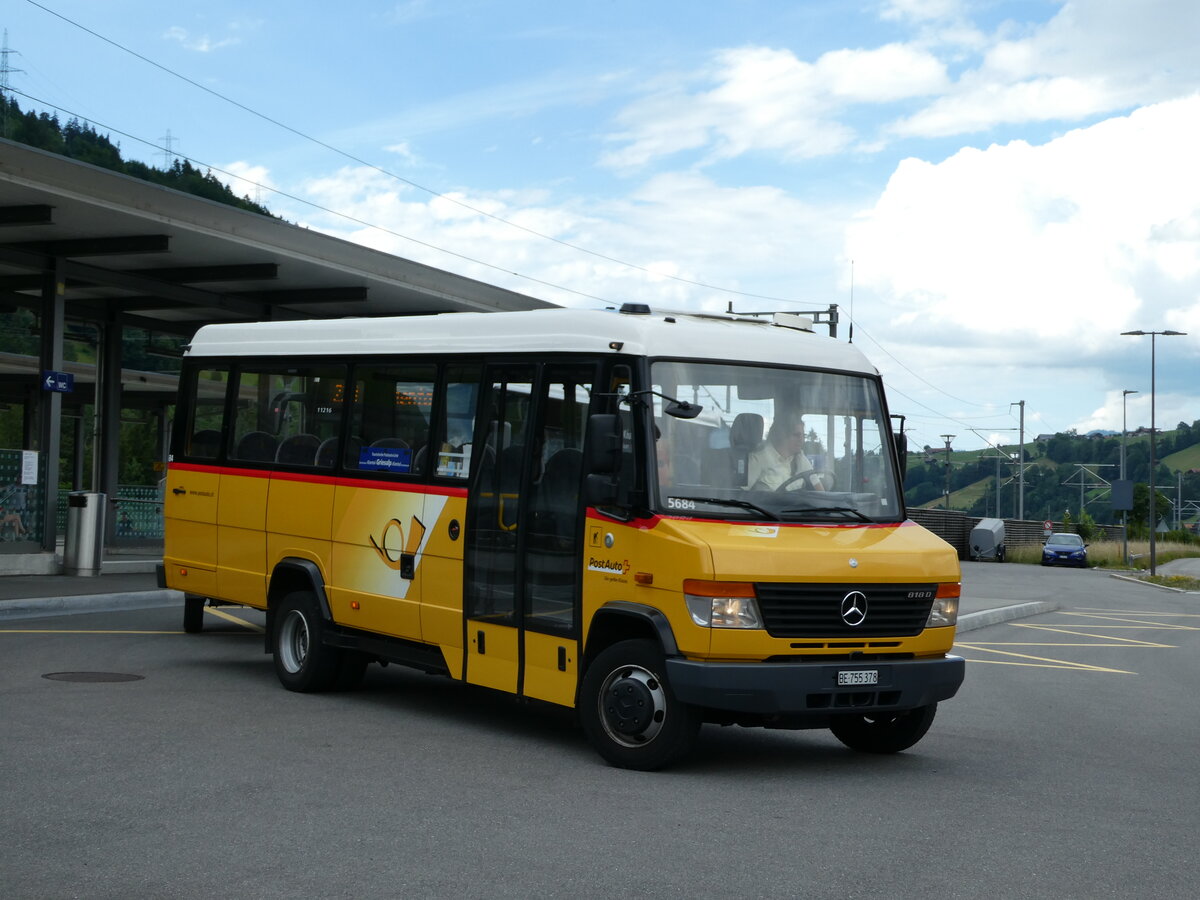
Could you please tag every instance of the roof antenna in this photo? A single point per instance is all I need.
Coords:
(851, 301)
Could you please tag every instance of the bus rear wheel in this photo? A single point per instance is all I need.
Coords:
(885, 732)
(628, 711)
(302, 662)
(193, 614)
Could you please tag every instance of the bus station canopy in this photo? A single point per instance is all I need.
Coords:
(170, 262)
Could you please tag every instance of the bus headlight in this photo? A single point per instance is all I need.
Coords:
(722, 604)
(945, 606)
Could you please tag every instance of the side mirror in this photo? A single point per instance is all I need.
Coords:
(681, 409)
(901, 441)
(602, 445)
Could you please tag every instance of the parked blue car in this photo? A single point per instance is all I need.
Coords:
(1064, 550)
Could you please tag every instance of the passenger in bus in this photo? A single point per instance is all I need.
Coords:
(781, 457)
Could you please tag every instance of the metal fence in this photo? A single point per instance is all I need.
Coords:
(136, 513)
(955, 528)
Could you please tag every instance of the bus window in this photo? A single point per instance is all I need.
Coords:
(457, 424)
(390, 426)
(206, 411)
(289, 416)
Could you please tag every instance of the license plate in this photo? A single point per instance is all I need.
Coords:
(859, 676)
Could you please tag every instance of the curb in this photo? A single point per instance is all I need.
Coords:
(984, 618)
(1136, 580)
(87, 603)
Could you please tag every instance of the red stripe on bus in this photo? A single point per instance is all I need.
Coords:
(311, 478)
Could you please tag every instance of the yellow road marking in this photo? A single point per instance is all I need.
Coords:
(235, 619)
(1132, 642)
(1048, 644)
(1140, 612)
(78, 631)
(1003, 662)
(1137, 623)
(1041, 661)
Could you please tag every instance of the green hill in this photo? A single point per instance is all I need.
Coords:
(1184, 460)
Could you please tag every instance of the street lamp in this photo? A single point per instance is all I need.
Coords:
(947, 438)
(1020, 463)
(1124, 513)
(1153, 515)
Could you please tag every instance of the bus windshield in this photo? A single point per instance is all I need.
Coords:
(773, 444)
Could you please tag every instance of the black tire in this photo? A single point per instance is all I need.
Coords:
(629, 712)
(884, 732)
(302, 662)
(193, 614)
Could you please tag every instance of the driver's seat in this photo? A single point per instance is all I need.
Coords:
(745, 435)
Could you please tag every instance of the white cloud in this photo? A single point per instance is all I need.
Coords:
(681, 229)
(920, 10)
(249, 180)
(977, 105)
(1092, 57)
(1037, 257)
(235, 31)
(760, 98)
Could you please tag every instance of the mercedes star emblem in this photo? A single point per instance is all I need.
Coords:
(854, 608)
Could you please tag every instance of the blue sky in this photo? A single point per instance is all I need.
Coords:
(996, 189)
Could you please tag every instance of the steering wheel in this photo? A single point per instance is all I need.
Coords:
(821, 473)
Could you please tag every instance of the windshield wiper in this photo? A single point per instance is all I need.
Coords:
(850, 510)
(741, 504)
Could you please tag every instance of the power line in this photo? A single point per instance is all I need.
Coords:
(915, 375)
(324, 209)
(370, 165)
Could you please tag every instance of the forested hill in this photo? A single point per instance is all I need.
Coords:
(79, 140)
(1053, 474)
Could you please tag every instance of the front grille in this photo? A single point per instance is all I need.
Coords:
(815, 610)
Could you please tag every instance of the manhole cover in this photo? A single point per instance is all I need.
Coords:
(92, 676)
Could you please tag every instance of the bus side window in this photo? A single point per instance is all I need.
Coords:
(287, 416)
(206, 413)
(392, 412)
(456, 427)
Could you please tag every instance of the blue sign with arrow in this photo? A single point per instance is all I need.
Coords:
(62, 382)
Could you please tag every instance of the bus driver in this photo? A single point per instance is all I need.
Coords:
(781, 457)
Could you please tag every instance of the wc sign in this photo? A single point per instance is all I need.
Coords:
(60, 382)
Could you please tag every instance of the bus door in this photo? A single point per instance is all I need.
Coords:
(524, 532)
(553, 548)
(492, 571)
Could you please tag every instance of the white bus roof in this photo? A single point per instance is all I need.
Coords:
(597, 332)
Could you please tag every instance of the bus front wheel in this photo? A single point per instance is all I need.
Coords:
(628, 711)
(886, 732)
(302, 662)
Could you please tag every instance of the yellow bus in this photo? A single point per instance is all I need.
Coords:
(657, 520)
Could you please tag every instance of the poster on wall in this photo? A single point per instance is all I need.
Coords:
(29, 466)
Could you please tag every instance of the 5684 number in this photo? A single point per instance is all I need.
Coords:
(680, 503)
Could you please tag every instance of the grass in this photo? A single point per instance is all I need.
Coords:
(1107, 555)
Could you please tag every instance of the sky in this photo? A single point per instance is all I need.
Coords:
(990, 191)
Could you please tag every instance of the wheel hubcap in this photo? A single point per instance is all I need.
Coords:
(293, 642)
(632, 706)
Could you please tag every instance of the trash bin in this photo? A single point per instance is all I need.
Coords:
(83, 549)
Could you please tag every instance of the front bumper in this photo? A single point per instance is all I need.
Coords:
(1075, 561)
(785, 688)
